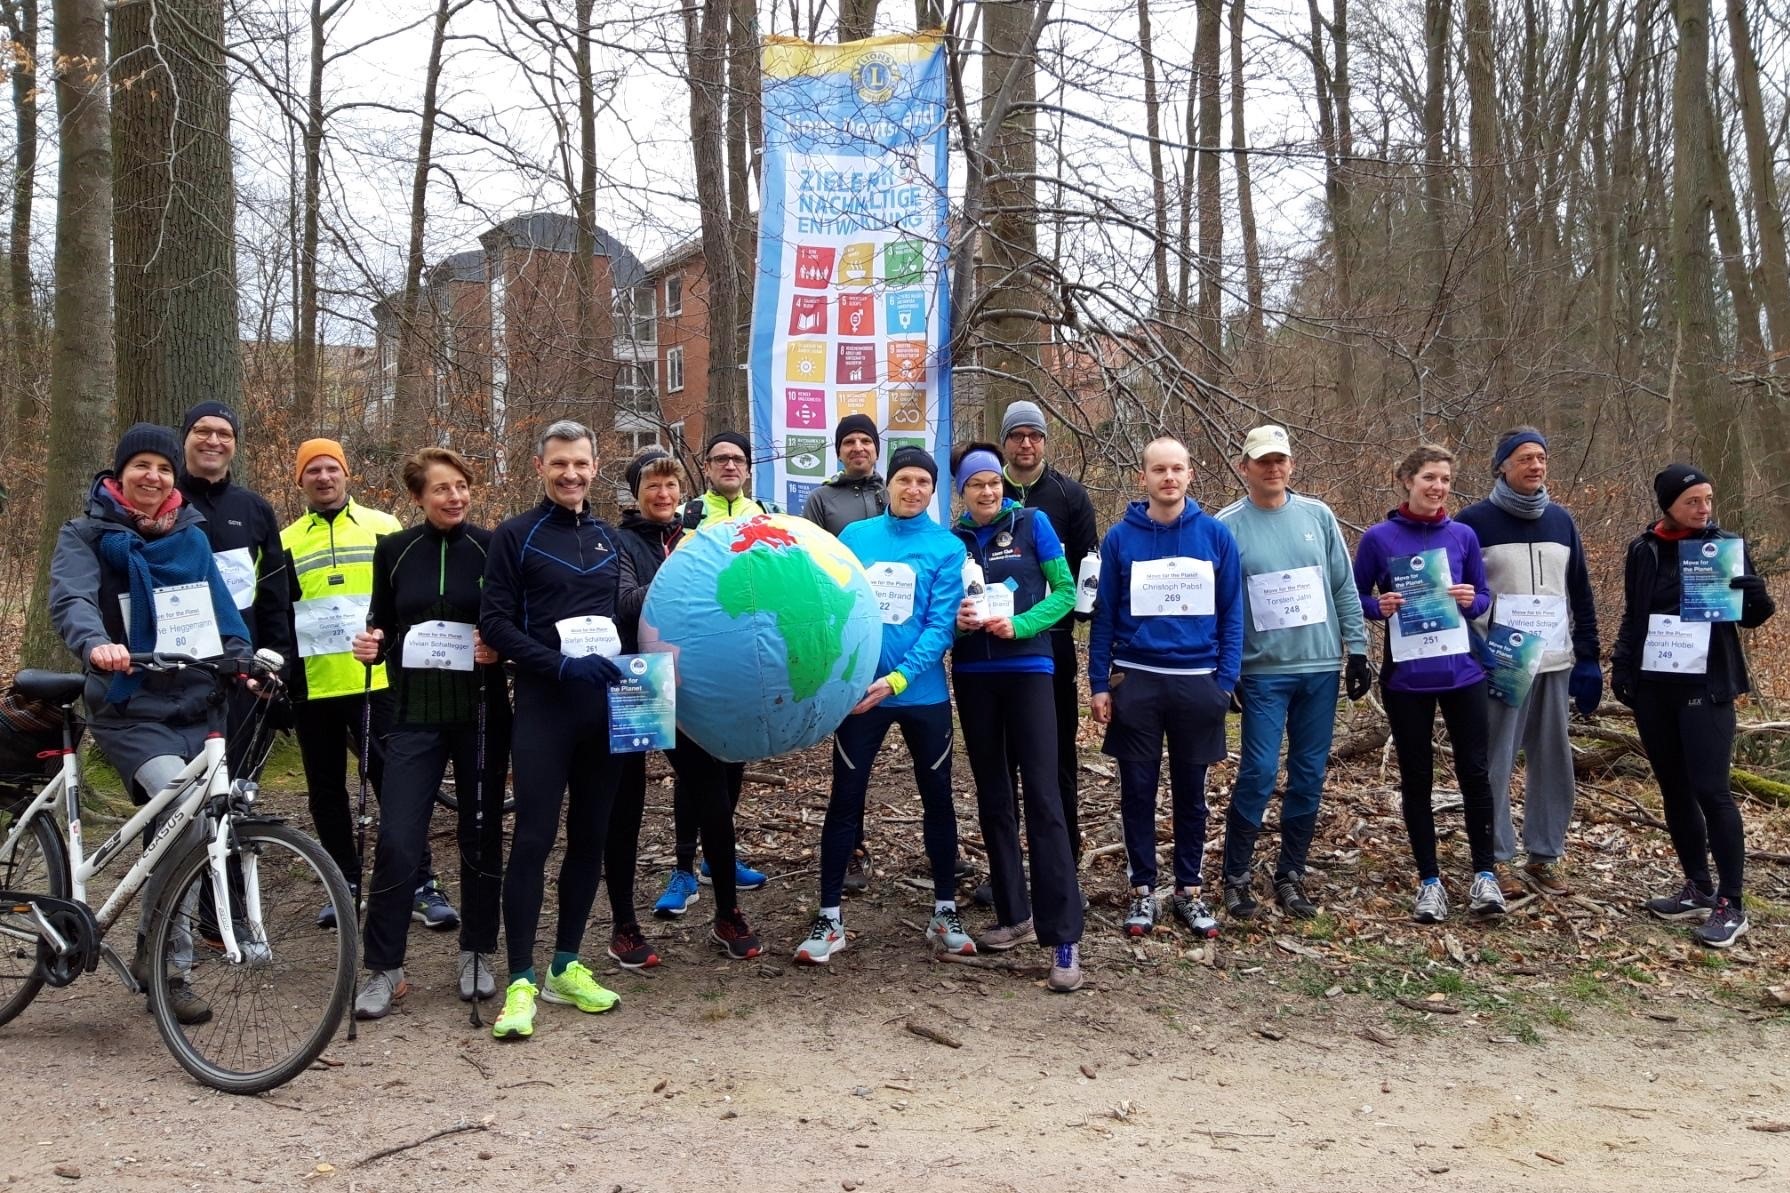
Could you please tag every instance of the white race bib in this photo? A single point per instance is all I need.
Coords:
(893, 584)
(999, 601)
(185, 622)
(1675, 646)
(591, 634)
(237, 567)
(439, 645)
(1173, 587)
(1431, 645)
(1544, 617)
(327, 625)
(1287, 600)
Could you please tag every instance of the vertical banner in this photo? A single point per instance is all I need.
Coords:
(851, 311)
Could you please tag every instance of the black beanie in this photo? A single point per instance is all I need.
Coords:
(857, 424)
(146, 437)
(1673, 480)
(913, 457)
(733, 437)
(638, 465)
(210, 410)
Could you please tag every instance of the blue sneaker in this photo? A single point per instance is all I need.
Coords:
(680, 892)
(745, 878)
(432, 909)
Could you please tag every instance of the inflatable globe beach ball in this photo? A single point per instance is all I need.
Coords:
(775, 632)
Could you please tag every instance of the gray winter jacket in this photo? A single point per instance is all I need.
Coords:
(168, 713)
(844, 500)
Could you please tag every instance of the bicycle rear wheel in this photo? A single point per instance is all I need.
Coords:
(273, 1013)
(36, 864)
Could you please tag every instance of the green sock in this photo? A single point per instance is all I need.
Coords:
(560, 961)
(527, 975)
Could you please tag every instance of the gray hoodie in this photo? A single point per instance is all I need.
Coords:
(844, 500)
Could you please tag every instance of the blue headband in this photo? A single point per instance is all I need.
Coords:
(974, 462)
(1510, 445)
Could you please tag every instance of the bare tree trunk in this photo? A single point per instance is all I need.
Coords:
(307, 373)
(1209, 313)
(1706, 397)
(705, 49)
(1438, 15)
(22, 332)
(413, 407)
(857, 19)
(1158, 181)
(1774, 275)
(175, 218)
(590, 314)
(1334, 131)
(81, 361)
(1254, 334)
(1487, 231)
(743, 73)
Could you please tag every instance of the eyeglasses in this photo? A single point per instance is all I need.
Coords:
(1027, 437)
(982, 485)
(220, 436)
(728, 461)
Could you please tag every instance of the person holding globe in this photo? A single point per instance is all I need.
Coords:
(1421, 573)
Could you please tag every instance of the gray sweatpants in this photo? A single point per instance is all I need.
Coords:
(1548, 786)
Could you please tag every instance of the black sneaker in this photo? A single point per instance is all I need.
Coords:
(983, 895)
(1289, 892)
(1726, 924)
(857, 872)
(1240, 902)
(963, 868)
(1688, 904)
(628, 948)
(735, 935)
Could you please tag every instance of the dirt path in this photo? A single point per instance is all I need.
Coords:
(768, 1077)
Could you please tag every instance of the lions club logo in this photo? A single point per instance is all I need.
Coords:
(875, 77)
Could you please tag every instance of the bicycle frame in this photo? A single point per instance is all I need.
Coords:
(204, 777)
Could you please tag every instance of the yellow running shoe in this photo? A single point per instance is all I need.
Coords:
(518, 1019)
(576, 988)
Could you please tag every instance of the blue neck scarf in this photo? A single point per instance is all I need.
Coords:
(182, 556)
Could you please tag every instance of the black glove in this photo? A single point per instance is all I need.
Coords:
(1358, 676)
(1753, 586)
(1622, 686)
(591, 669)
(1235, 696)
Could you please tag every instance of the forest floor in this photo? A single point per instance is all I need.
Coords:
(1574, 1044)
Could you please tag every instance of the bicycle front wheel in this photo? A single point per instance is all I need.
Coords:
(35, 864)
(255, 1024)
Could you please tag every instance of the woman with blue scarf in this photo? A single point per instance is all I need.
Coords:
(135, 573)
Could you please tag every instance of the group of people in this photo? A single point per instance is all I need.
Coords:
(493, 649)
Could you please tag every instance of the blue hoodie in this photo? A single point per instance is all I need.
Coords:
(1401, 535)
(1212, 643)
(915, 647)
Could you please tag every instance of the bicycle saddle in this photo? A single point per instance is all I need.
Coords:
(52, 687)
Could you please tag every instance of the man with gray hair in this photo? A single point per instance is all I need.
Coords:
(556, 584)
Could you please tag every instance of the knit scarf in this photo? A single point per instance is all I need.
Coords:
(1516, 504)
(183, 557)
(148, 525)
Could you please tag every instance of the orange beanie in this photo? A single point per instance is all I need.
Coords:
(310, 449)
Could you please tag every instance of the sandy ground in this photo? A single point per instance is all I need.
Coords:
(764, 1076)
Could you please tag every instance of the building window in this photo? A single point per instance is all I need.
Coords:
(636, 321)
(674, 370)
(636, 387)
(674, 294)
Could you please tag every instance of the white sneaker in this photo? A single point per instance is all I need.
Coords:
(486, 986)
(1432, 903)
(1484, 898)
(826, 936)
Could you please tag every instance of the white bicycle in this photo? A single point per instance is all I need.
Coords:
(236, 913)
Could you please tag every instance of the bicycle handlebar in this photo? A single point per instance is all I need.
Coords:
(263, 665)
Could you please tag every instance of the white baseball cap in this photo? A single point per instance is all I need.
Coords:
(1266, 441)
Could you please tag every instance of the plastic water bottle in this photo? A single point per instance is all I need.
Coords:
(975, 587)
(1087, 582)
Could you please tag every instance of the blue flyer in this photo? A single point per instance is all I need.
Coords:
(1423, 581)
(1511, 659)
(643, 706)
(1704, 569)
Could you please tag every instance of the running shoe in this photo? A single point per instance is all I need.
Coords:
(1194, 915)
(1548, 877)
(326, 918)
(1140, 919)
(432, 909)
(628, 948)
(745, 878)
(477, 978)
(826, 937)
(734, 934)
(1432, 903)
(1483, 897)
(946, 935)
(517, 1022)
(1289, 893)
(1726, 924)
(1002, 937)
(1065, 969)
(1688, 904)
(574, 986)
(1240, 902)
(680, 892)
(190, 1009)
(857, 872)
(382, 988)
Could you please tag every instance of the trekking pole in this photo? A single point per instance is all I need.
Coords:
(360, 817)
(478, 832)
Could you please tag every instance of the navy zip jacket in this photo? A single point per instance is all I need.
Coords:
(649, 544)
(1526, 556)
(241, 519)
(546, 565)
(1065, 502)
(425, 574)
